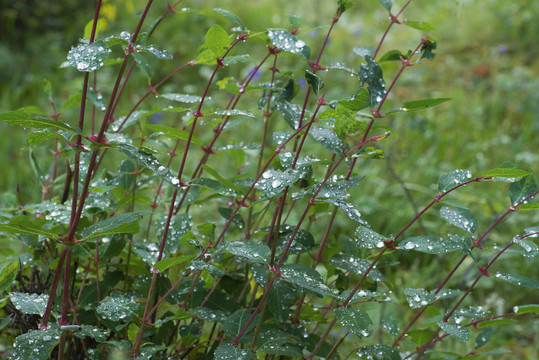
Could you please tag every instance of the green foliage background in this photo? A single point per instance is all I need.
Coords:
(487, 61)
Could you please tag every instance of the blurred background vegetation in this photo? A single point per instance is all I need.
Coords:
(486, 61)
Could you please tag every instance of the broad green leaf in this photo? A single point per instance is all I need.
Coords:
(289, 43)
(356, 265)
(72, 101)
(231, 17)
(328, 138)
(303, 165)
(303, 241)
(314, 81)
(273, 182)
(36, 344)
(526, 309)
(295, 21)
(429, 244)
(179, 225)
(358, 102)
(143, 64)
(346, 124)
(164, 264)
(227, 213)
(148, 160)
(388, 4)
(420, 297)
(22, 224)
(258, 253)
(419, 25)
(118, 307)
(29, 303)
(483, 337)
(522, 189)
(217, 40)
(420, 337)
(88, 58)
(214, 185)
(278, 342)
(229, 352)
(366, 238)
(423, 104)
(356, 320)
(372, 75)
(529, 248)
(118, 224)
(307, 279)
(291, 113)
(348, 209)
(89, 26)
(505, 173)
(88, 331)
(394, 55)
(456, 330)
(495, 322)
(460, 217)
(471, 312)
(363, 51)
(281, 296)
(453, 179)
(21, 118)
(205, 56)
(8, 275)
(518, 280)
(235, 322)
(173, 133)
(378, 352)
(184, 98)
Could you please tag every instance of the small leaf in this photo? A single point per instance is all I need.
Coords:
(184, 98)
(394, 55)
(429, 244)
(227, 213)
(366, 238)
(388, 4)
(418, 298)
(419, 25)
(356, 265)
(22, 224)
(235, 322)
(231, 17)
(363, 51)
(372, 75)
(530, 249)
(258, 253)
(229, 352)
(179, 225)
(328, 138)
(143, 64)
(93, 332)
(460, 217)
(281, 296)
(291, 113)
(277, 342)
(314, 81)
(214, 185)
(526, 309)
(307, 279)
(164, 264)
(495, 322)
(29, 303)
(456, 330)
(289, 43)
(174, 133)
(217, 40)
(378, 352)
(522, 189)
(347, 124)
(453, 179)
(36, 344)
(420, 337)
(303, 241)
(89, 26)
(358, 102)
(483, 337)
(423, 104)
(88, 58)
(118, 307)
(356, 320)
(505, 173)
(21, 118)
(8, 275)
(119, 224)
(427, 49)
(518, 280)
(273, 182)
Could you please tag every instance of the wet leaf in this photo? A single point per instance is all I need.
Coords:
(303, 165)
(291, 113)
(281, 296)
(418, 298)
(471, 312)
(173, 133)
(29, 303)
(358, 102)
(427, 49)
(452, 179)
(394, 55)
(460, 217)
(314, 81)
(184, 98)
(378, 352)
(420, 337)
(366, 238)
(8, 275)
(388, 4)
(429, 244)
(229, 352)
(496, 322)
(422, 104)
(226, 213)
(307, 279)
(483, 337)
(179, 225)
(526, 309)
(328, 138)
(258, 253)
(356, 265)
(518, 280)
(303, 241)
(273, 182)
(456, 330)
(522, 189)
(21, 118)
(234, 112)
(118, 307)
(118, 224)
(529, 248)
(164, 264)
(289, 43)
(235, 322)
(22, 224)
(505, 173)
(356, 320)
(419, 25)
(372, 75)
(347, 124)
(36, 344)
(88, 58)
(143, 64)
(231, 17)
(277, 342)
(214, 185)
(93, 332)
(217, 40)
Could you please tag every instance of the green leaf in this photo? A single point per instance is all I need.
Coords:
(118, 307)
(173, 133)
(356, 320)
(314, 81)
(22, 224)
(214, 185)
(388, 4)
(277, 342)
(231, 17)
(307, 279)
(229, 352)
(328, 138)
(429, 244)
(456, 330)
(423, 104)
(235, 322)
(378, 352)
(8, 275)
(281, 296)
(184, 98)
(372, 75)
(505, 173)
(143, 64)
(289, 43)
(347, 124)
(495, 322)
(148, 160)
(427, 49)
(36, 344)
(522, 189)
(394, 55)
(21, 118)
(344, 5)
(88, 58)
(530, 249)
(460, 217)
(419, 25)
(526, 309)
(179, 225)
(291, 113)
(453, 179)
(518, 280)
(420, 337)
(217, 40)
(363, 51)
(273, 182)
(118, 224)
(164, 264)
(93, 332)
(47, 88)
(366, 238)
(258, 253)
(227, 213)
(358, 102)
(89, 26)
(356, 265)
(418, 298)
(29, 303)
(72, 101)
(483, 337)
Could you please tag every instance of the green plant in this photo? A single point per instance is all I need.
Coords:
(186, 232)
